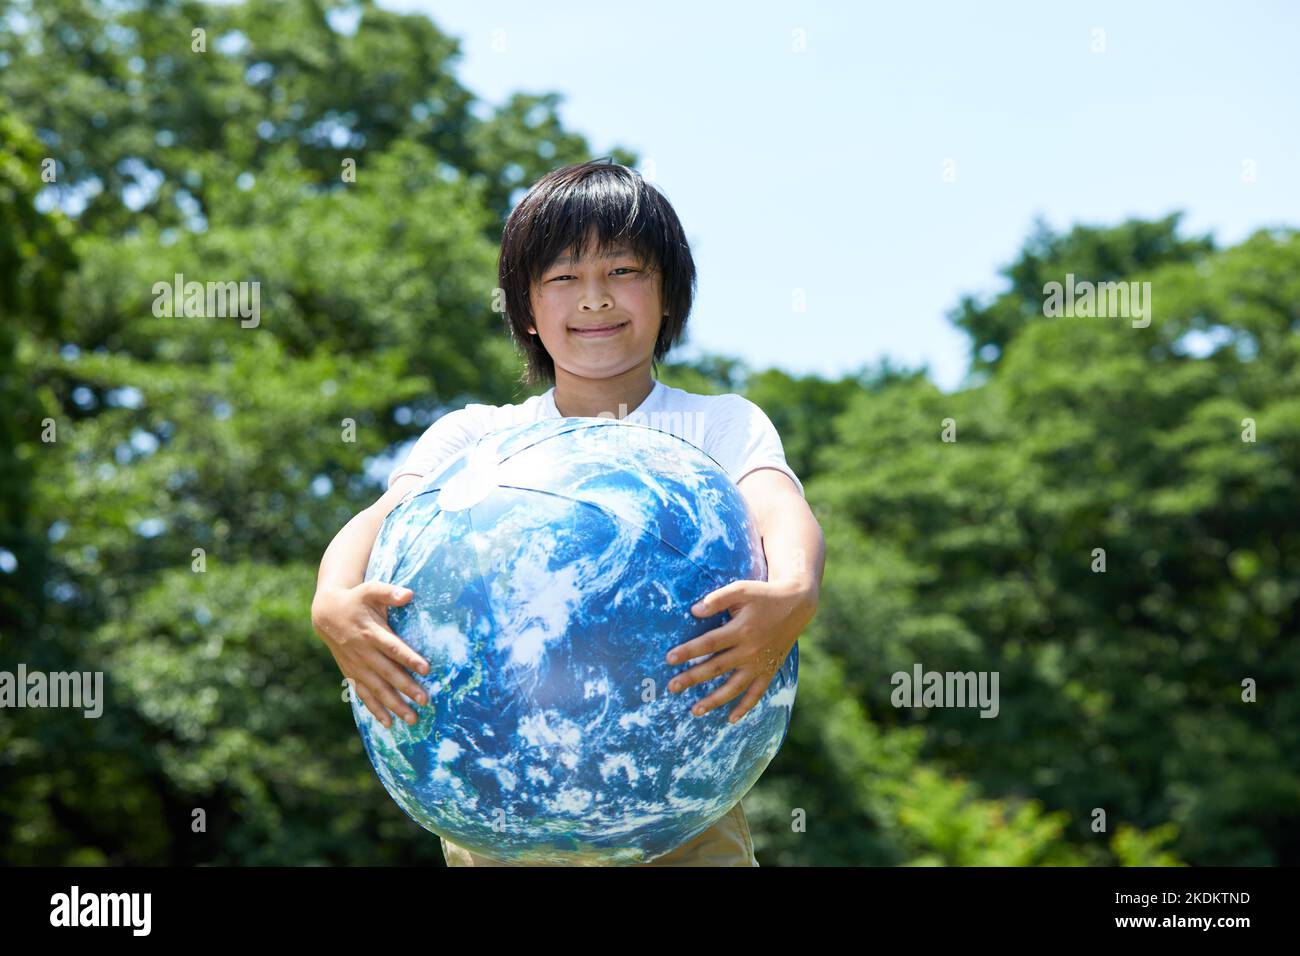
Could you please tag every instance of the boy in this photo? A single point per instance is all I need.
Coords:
(598, 281)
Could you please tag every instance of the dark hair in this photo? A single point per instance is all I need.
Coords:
(558, 212)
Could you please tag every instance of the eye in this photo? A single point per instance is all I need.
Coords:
(619, 269)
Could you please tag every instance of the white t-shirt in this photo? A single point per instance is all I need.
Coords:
(730, 428)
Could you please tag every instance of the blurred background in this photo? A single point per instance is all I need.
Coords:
(876, 199)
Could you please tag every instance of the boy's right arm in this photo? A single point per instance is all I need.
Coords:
(351, 617)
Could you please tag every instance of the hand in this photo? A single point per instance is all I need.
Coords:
(766, 619)
(353, 622)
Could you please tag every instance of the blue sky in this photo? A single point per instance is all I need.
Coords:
(823, 169)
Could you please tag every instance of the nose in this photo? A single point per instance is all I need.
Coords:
(595, 298)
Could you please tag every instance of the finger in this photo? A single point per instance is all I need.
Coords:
(705, 671)
(723, 599)
(364, 695)
(718, 639)
(398, 651)
(388, 594)
(390, 698)
(399, 679)
(747, 703)
(732, 688)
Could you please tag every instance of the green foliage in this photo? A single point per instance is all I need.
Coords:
(1123, 689)
(803, 411)
(709, 375)
(1130, 250)
(126, 96)
(35, 253)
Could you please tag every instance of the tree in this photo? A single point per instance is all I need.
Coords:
(1132, 250)
(1121, 689)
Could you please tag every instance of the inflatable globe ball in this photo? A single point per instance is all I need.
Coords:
(553, 565)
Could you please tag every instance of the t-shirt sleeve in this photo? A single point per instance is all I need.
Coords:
(741, 438)
(443, 440)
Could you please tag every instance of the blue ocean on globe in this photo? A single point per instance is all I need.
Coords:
(553, 566)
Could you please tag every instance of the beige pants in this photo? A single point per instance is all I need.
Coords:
(726, 843)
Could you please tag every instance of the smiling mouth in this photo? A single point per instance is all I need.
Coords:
(603, 328)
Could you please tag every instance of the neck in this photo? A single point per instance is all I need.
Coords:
(590, 397)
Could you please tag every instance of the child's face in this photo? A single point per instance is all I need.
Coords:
(597, 292)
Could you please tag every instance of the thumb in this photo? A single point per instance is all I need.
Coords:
(719, 600)
(383, 593)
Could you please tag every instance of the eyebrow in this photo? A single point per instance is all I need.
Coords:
(616, 254)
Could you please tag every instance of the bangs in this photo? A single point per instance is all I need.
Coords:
(621, 219)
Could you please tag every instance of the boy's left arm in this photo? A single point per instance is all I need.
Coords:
(767, 617)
